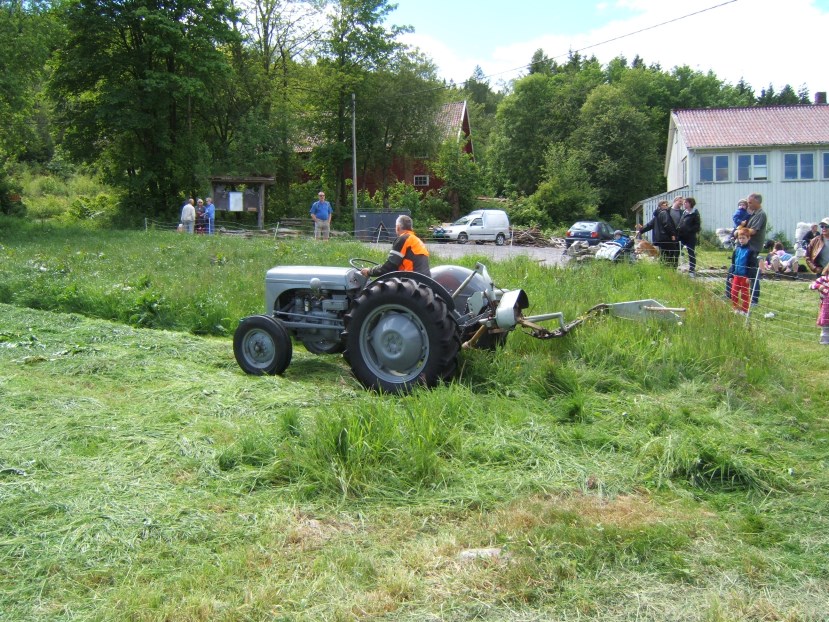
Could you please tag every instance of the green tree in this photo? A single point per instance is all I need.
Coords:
(355, 43)
(565, 194)
(541, 63)
(131, 86)
(280, 36)
(541, 110)
(619, 149)
(786, 96)
(482, 104)
(29, 34)
(460, 175)
(401, 123)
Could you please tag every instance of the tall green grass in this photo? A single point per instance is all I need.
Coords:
(626, 471)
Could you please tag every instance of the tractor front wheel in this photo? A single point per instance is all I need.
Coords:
(398, 334)
(262, 345)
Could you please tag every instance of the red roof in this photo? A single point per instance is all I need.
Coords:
(450, 119)
(750, 127)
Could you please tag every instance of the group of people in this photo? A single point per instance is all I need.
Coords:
(672, 226)
(742, 284)
(678, 225)
(817, 259)
(198, 215)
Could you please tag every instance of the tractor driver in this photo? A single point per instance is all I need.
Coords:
(408, 253)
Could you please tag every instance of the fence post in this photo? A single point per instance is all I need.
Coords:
(754, 285)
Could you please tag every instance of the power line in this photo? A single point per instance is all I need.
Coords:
(611, 40)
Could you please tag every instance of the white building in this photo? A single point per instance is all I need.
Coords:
(719, 156)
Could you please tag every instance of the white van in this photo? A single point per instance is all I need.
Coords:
(484, 225)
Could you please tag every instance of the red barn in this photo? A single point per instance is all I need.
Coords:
(453, 122)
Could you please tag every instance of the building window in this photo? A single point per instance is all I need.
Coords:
(798, 166)
(713, 168)
(421, 180)
(826, 165)
(752, 167)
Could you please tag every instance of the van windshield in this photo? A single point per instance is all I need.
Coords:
(461, 221)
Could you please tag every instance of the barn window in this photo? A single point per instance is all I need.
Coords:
(421, 180)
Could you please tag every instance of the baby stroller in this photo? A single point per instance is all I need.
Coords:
(619, 249)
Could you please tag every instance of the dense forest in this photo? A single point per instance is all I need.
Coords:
(154, 96)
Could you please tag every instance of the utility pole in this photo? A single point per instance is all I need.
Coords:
(354, 157)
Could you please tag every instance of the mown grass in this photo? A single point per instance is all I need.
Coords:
(627, 471)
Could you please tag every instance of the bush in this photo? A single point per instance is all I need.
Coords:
(10, 203)
(708, 240)
(403, 196)
(47, 207)
(435, 209)
(779, 236)
(101, 209)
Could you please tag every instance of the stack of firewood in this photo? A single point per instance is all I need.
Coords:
(533, 236)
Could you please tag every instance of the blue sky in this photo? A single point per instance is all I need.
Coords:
(762, 41)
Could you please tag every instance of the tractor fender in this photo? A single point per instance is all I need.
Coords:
(440, 290)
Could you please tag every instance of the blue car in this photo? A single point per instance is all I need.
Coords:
(591, 231)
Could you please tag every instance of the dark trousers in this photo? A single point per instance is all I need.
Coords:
(668, 253)
(692, 257)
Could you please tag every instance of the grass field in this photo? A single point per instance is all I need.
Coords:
(626, 472)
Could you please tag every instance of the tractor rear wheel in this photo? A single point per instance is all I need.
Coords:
(399, 334)
(262, 345)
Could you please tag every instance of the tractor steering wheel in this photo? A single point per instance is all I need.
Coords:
(359, 264)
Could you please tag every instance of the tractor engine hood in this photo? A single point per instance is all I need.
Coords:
(332, 278)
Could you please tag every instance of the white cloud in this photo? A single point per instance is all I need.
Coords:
(762, 41)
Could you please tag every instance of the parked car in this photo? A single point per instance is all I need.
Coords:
(591, 231)
(486, 225)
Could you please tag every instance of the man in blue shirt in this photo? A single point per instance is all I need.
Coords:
(321, 213)
(209, 214)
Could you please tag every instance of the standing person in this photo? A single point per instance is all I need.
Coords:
(664, 234)
(743, 267)
(209, 214)
(676, 210)
(408, 253)
(201, 222)
(321, 213)
(821, 284)
(817, 253)
(689, 227)
(757, 230)
(740, 218)
(188, 216)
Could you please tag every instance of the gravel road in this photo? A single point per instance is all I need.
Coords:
(448, 251)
